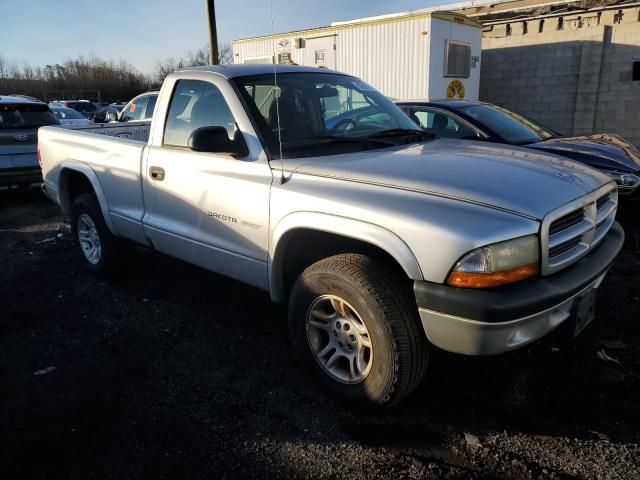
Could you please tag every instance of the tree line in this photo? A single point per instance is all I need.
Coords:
(94, 78)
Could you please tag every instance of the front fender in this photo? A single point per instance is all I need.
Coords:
(66, 169)
(346, 227)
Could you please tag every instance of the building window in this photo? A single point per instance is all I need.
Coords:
(258, 60)
(541, 26)
(599, 17)
(560, 23)
(617, 18)
(457, 59)
(635, 72)
(508, 29)
(525, 28)
(284, 58)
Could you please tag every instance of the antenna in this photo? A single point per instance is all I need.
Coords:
(275, 91)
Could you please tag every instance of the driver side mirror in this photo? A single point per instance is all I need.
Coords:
(216, 140)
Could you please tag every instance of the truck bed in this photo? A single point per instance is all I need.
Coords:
(138, 131)
(110, 156)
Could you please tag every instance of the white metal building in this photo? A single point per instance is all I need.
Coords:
(408, 55)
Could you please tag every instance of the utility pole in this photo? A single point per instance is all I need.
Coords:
(213, 34)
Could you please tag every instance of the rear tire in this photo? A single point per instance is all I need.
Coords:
(101, 252)
(356, 327)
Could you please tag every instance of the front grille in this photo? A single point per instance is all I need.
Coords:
(566, 221)
(570, 232)
(601, 202)
(563, 247)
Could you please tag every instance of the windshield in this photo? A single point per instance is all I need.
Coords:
(320, 113)
(25, 116)
(66, 113)
(513, 128)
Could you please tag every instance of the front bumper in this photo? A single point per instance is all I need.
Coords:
(492, 321)
(20, 176)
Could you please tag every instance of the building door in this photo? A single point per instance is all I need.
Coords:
(321, 52)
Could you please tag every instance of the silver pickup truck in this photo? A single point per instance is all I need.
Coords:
(383, 240)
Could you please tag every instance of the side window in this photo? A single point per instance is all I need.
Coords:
(195, 104)
(101, 116)
(151, 106)
(422, 118)
(112, 115)
(134, 110)
(443, 125)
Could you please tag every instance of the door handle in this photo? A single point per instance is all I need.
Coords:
(156, 173)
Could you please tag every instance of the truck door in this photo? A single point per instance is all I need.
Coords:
(209, 209)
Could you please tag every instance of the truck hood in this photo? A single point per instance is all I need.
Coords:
(518, 180)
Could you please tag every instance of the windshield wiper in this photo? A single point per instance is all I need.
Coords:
(401, 132)
(342, 139)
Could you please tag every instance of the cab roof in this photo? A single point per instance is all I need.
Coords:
(246, 70)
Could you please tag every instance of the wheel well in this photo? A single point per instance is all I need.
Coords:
(303, 247)
(75, 184)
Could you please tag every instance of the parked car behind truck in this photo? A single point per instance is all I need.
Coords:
(383, 241)
(68, 116)
(19, 122)
(86, 108)
(139, 108)
(466, 119)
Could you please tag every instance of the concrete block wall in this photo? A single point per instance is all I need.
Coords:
(576, 80)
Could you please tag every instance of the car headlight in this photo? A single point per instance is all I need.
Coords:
(625, 181)
(497, 264)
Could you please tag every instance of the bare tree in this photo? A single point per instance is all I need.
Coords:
(114, 81)
(191, 58)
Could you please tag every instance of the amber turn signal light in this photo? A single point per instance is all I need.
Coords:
(486, 280)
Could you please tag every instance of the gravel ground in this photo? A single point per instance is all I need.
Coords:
(171, 372)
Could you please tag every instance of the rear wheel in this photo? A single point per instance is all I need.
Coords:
(356, 326)
(102, 252)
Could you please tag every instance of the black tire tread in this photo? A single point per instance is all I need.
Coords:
(399, 309)
(115, 250)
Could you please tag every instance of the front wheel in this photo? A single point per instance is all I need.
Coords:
(356, 326)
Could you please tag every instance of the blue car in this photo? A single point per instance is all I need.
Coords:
(466, 119)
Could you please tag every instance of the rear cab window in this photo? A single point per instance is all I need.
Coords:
(24, 116)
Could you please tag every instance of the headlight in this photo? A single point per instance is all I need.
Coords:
(625, 181)
(497, 264)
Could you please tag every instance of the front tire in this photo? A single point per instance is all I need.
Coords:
(355, 324)
(101, 251)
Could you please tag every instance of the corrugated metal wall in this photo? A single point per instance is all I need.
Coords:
(380, 54)
(392, 57)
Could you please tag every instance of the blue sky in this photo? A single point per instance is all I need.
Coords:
(42, 32)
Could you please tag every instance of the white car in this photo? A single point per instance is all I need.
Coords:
(69, 116)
